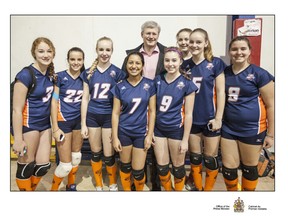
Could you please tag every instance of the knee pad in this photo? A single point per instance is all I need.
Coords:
(109, 161)
(76, 158)
(126, 167)
(138, 174)
(229, 174)
(211, 162)
(179, 172)
(41, 169)
(63, 169)
(96, 156)
(25, 170)
(195, 159)
(249, 172)
(163, 170)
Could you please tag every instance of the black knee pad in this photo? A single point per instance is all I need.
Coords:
(195, 159)
(25, 170)
(229, 174)
(41, 169)
(109, 161)
(138, 174)
(126, 167)
(249, 172)
(96, 156)
(163, 170)
(211, 162)
(179, 172)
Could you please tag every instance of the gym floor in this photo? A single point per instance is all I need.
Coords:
(85, 180)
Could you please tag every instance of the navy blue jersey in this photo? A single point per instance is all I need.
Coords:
(204, 75)
(171, 101)
(100, 84)
(36, 112)
(245, 113)
(134, 105)
(70, 96)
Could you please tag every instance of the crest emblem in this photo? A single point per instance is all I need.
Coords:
(250, 77)
(180, 85)
(146, 86)
(238, 205)
(112, 73)
(209, 66)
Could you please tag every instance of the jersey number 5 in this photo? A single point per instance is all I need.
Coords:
(197, 81)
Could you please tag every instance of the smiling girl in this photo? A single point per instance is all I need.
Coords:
(31, 116)
(96, 110)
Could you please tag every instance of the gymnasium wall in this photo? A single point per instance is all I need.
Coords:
(125, 31)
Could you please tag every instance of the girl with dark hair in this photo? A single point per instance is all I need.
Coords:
(133, 120)
(248, 122)
(66, 119)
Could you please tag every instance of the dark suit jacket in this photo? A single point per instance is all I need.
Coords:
(160, 64)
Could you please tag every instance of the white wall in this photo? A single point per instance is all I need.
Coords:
(83, 31)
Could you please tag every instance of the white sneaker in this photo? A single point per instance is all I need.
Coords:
(113, 187)
(99, 188)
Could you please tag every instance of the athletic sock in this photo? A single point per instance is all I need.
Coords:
(97, 171)
(210, 179)
(125, 180)
(166, 181)
(111, 171)
(34, 181)
(139, 184)
(56, 183)
(197, 175)
(179, 183)
(24, 184)
(231, 185)
(72, 175)
(248, 185)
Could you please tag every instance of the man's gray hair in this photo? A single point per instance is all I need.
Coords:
(150, 24)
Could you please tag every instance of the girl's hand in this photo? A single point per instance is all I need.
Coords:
(183, 147)
(19, 148)
(58, 134)
(216, 124)
(84, 132)
(147, 142)
(268, 142)
(117, 145)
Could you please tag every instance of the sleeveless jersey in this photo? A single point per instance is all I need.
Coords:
(204, 75)
(100, 84)
(70, 96)
(171, 101)
(36, 112)
(245, 113)
(134, 105)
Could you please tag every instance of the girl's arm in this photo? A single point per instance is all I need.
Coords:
(115, 124)
(220, 102)
(84, 107)
(54, 113)
(267, 94)
(151, 122)
(189, 105)
(19, 99)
